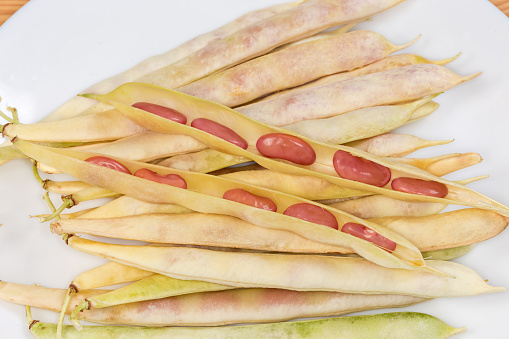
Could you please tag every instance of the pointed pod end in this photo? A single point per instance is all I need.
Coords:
(408, 44)
(446, 61)
(470, 77)
(91, 96)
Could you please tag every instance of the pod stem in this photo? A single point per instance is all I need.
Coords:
(70, 290)
(68, 203)
(73, 318)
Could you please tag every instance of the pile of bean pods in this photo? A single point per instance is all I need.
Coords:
(260, 184)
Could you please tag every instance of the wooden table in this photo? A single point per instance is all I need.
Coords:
(9, 7)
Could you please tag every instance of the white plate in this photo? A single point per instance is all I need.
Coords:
(52, 49)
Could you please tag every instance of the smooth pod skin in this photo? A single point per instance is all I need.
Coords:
(219, 131)
(168, 179)
(363, 232)
(162, 111)
(400, 325)
(244, 197)
(287, 147)
(109, 163)
(312, 213)
(419, 186)
(351, 167)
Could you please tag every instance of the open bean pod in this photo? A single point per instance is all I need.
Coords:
(224, 129)
(205, 194)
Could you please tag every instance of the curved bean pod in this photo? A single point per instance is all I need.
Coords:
(204, 194)
(253, 305)
(388, 63)
(252, 131)
(78, 105)
(291, 66)
(383, 88)
(403, 325)
(294, 272)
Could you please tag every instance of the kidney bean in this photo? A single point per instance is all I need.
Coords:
(168, 179)
(219, 131)
(287, 147)
(366, 233)
(355, 168)
(247, 198)
(419, 186)
(312, 213)
(109, 163)
(162, 111)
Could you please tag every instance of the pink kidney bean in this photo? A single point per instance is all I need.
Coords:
(363, 232)
(162, 111)
(312, 213)
(355, 168)
(287, 147)
(168, 179)
(247, 198)
(419, 186)
(219, 131)
(109, 163)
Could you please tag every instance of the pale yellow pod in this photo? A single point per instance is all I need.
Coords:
(292, 66)
(126, 205)
(253, 305)
(204, 161)
(389, 87)
(381, 206)
(295, 272)
(388, 63)
(359, 124)
(447, 230)
(77, 105)
(304, 20)
(394, 144)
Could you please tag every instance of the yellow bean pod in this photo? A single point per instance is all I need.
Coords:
(291, 66)
(394, 144)
(251, 132)
(388, 63)
(294, 272)
(204, 194)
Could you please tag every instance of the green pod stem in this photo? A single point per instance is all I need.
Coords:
(394, 145)
(250, 130)
(313, 59)
(78, 105)
(292, 271)
(204, 194)
(388, 63)
(404, 325)
(359, 124)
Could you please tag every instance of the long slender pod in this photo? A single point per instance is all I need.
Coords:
(404, 325)
(292, 271)
(78, 105)
(205, 194)
(283, 151)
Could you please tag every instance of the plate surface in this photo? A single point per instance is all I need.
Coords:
(53, 49)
